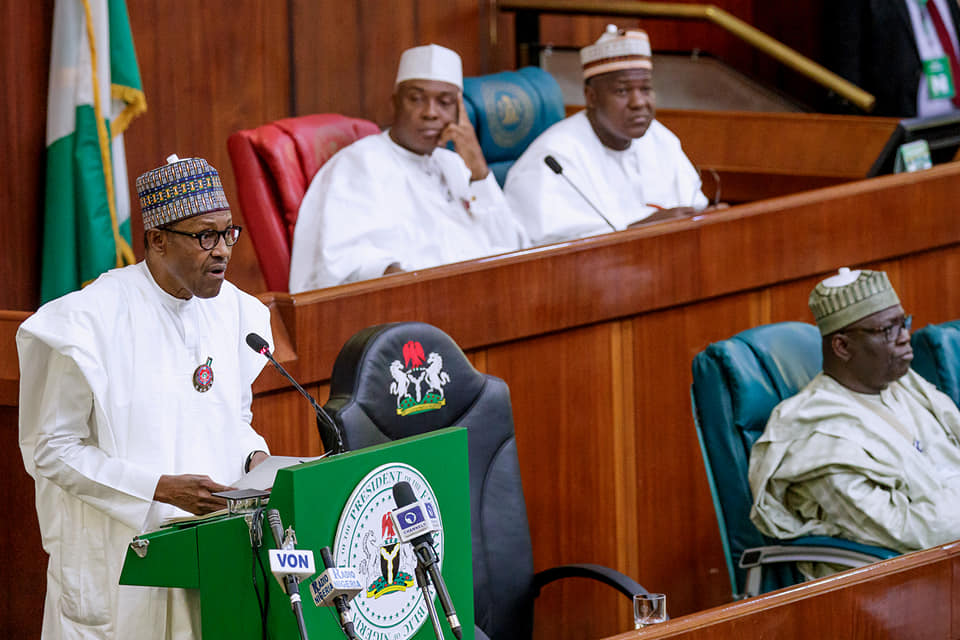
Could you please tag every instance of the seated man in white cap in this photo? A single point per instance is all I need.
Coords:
(869, 450)
(625, 164)
(135, 407)
(400, 201)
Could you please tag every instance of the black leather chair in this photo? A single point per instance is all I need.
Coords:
(398, 380)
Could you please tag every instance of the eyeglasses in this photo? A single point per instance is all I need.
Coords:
(891, 332)
(209, 238)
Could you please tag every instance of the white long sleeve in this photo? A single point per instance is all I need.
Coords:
(67, 455)
(626, 186)
(375, 204)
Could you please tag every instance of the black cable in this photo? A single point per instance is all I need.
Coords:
(256, 589)
(266, 597)
(256, 543)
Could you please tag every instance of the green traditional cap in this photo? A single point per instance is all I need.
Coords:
(179, 189)
(841, 300)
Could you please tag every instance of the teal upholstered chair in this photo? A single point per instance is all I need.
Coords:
(936, 356)
(736, 384)
(509, 110)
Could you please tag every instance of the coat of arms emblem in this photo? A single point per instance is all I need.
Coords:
(410, 375)
(391, 606)
(391, 578)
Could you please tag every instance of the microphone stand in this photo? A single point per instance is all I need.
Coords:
(557, 169)
(323, 418)
(291, 586)
(423, 583)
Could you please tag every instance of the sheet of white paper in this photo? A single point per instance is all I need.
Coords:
(262, 475)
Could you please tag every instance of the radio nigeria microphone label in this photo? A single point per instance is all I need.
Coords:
(391, 604)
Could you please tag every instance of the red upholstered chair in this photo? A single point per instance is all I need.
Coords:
(273, 165)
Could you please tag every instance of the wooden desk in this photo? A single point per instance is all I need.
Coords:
(913, 596)
(595, 338)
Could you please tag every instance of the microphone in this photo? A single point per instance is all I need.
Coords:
(427, 555)
(260, 345)
(557, 169)
(289, 565)
(337, 586)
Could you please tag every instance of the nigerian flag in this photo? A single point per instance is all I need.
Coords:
(94, 93)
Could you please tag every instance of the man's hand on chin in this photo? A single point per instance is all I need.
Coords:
(465, 142)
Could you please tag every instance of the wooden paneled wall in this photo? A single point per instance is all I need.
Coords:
(212, 67)
(596, 339)
(24, 60)
(612, 470)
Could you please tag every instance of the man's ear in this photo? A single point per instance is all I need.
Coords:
(156, 241)
(395, 101)
(840, 345)
(589, 95)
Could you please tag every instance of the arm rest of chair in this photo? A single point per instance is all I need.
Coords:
(878, 553)
(809, 549)
(611, 577)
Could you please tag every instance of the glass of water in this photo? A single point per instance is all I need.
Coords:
(649, 608)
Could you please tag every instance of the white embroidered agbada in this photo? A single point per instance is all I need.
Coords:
(830, 463)
(375, 203)
(108, 405)
(627, 186)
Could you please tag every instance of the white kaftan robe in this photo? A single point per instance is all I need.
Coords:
(836, 463)
(375, 203)
(107, 406)
(626, 186)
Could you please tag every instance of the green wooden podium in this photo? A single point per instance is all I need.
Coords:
(215, 555)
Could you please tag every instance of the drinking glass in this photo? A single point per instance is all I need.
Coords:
(649, 608)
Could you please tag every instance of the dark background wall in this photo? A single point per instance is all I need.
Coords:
(212, 67)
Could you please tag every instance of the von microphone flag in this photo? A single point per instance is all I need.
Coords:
(94, 93)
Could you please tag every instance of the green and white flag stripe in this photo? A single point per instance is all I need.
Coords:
(95, 91)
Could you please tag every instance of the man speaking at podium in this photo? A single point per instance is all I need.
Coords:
(135, 406)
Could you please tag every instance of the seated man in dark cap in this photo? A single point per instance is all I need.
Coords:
(401, 200)
(135, 407)
(869, 450)
(625, 163)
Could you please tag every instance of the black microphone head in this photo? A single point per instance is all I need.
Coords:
(257, 343)
(327, 557)
(403, 494)
(553, 164)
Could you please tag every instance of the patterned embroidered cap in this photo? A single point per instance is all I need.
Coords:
(430, 62)
(616, 50)
(179, 189)
(841, 300)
